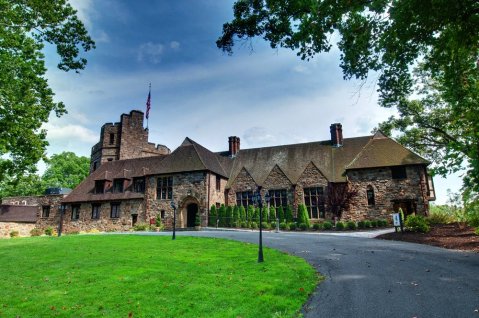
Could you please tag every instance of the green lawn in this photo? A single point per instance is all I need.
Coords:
(148, 276)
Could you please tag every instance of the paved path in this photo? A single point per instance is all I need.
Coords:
(375, 278)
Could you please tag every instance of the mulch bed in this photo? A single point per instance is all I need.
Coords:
(450, 236)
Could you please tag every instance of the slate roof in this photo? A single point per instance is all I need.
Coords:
(18, 213)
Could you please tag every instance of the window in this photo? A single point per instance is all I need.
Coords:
(115, 210)
(218, 205)
(370, 196)
(164, 191)
(95, 211)
(112, 139)
(139, 185)
(398, 172)
(118, 185)
(314, 201)
(45, 211)
(162, 214)
(110, 159)
(218, 183)
(278, 198)
(99, 186)
(95, 164)
(244, 198)
(75, 212)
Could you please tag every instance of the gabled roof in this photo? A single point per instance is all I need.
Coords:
(382, 151)
(293, 159)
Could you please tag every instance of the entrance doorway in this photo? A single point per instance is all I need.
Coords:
(134, 219)
(191, 212)
(408, 206)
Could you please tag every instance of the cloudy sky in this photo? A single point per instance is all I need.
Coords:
(266, 97)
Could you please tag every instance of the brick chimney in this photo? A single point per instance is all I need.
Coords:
(336, 134)
(234, 145)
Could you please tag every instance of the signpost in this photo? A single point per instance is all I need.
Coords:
(397, 221)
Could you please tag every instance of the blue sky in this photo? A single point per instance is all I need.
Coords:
(266, 97)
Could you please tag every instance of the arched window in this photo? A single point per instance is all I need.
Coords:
(370, 195)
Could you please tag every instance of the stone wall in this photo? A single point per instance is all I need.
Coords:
(188, 188)
(386, 192)
(105, 223)
(243, 182)
(310, 178)
(22, 228)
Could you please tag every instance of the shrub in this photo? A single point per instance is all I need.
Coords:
(250, 214)
(367, 224)
(265, 225)
(36, 232)
(73, 233)
(254, 225)
(272, 214)
(374, 223)
(212, 216)
(361, 225)
(317, 226)
(351, 225)
(288, 215)
(242, 214)
(222, 216)
(280, 213)
(473, 217)
(303, 217)
(340, 226)
(94, 231)
(437, 218)
(303, 226)
(197, 220)
(417, 223)
(229, 216)
(327, 225)
(236, 216)
(477, 231)
(49, 231)
(272, 225)
(139, 227)
(244, 224)
(292, 226)
(382, 223)
(264, 214)
(14, 234)
(283, 226)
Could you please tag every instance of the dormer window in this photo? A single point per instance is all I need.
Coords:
(99, 186)
(139, 185)
(118, 185)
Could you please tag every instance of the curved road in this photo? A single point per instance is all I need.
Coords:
(376, 278)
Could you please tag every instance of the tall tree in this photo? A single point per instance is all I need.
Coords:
(30, 184)
(66, 170)
(26, 100)
(392, 39)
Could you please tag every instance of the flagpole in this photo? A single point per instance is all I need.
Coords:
(148, 103)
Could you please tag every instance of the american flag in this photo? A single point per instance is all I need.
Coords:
(148, 104)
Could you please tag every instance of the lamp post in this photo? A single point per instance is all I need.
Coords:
(257, 199)
(60, 225)
(173, 205)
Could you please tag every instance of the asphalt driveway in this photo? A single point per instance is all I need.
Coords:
(375, 278)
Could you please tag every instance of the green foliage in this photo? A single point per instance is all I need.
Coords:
(292, 226)
(222, 216)
(303, 226)
(374, 223)
(158, 222)
(256, 215)
(250, 214)
(303, 216)
(66, 170)
(477, 231)
(340, 226)
(253, 225)
(229, 216)
(120, 265)
(351, 225)
(417, 223)
(281, 215)
(36, 232)
(264, 214)
(49, 231)
(213, 216)
(283, 226)
(244, 225)
(242, 212)
(236, 215)
(472, 211)
(23, 185)
(288, 214)
(265, 225)
(317, 226)
(26, 100)
(197, 220)
(139, 227)
(367, 224)
(382, 223)
(441, 214)
(14, 234)
(272, 214)
(425, 57)
(361, 225)
(327, 225)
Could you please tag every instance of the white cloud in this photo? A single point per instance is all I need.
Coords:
(101, 37)
(174, 45)
(150, 52)
(68, 132)
(85, 11)
(259, 137)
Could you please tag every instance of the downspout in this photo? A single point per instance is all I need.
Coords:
(208, 200)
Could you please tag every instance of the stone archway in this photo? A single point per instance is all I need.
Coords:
(189, 208)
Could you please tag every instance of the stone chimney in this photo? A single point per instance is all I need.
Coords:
(234, 145)
(336, 134)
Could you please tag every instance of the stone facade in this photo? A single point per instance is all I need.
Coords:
(126, 139)
(23, 229)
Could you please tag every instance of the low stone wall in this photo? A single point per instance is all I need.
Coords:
(22, 228)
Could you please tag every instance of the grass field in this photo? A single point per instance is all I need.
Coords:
(148, 276)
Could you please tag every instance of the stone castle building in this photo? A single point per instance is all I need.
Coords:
(134, 181)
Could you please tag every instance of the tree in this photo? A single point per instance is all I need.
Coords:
(26, 100)
(242, 214)
(303, 217)
(213, 215)
(339, 197)
(288, 214)
(222, 216)
(229, 216)
(272, 214)
(66, 170)
(281, 216)
(403, 42)
(236, 216)
(29, 184)
(250, 213)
